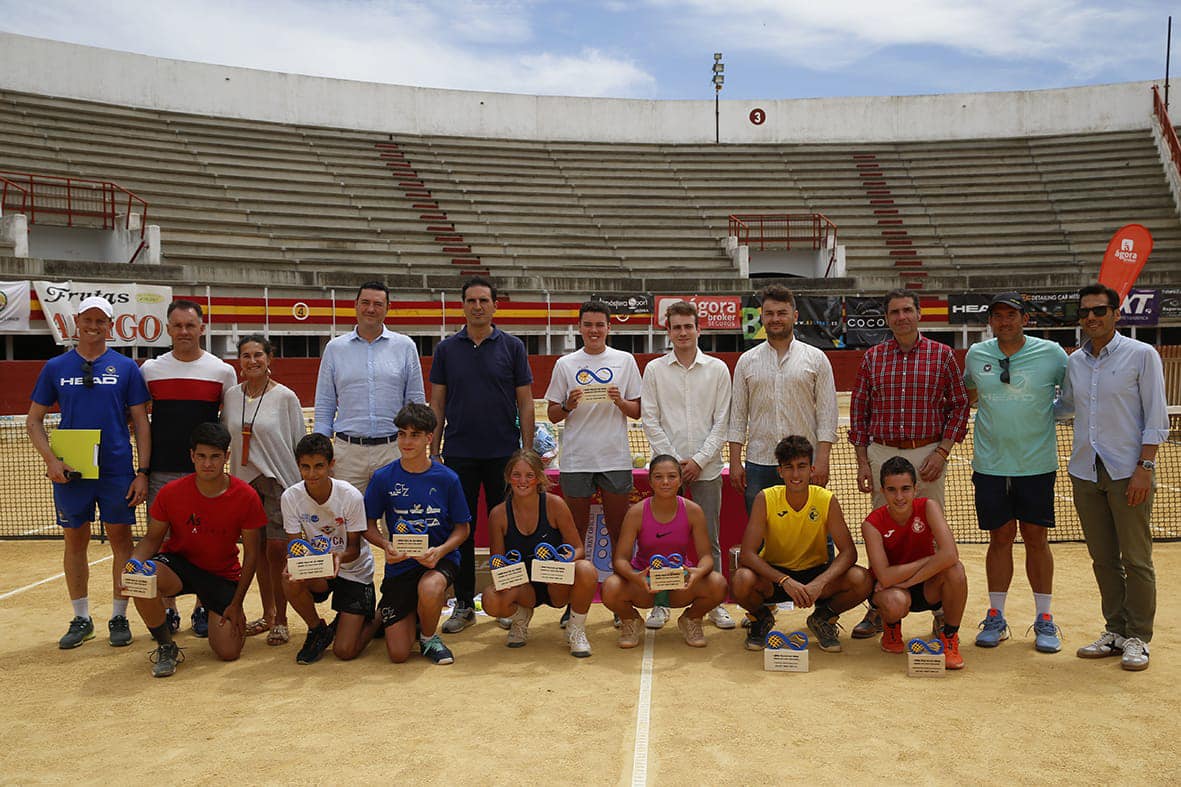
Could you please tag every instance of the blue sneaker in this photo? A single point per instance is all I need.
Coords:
(993, 630)
(200, 622)
(436, 651)
(1047, 635)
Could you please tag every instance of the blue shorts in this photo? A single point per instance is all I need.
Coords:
(75, 501)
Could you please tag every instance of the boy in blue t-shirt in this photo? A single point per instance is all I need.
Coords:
(416, 489)
(96, 388)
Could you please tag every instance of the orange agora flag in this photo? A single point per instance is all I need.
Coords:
(1125, 257)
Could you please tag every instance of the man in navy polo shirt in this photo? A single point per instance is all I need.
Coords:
(96, 387)
(482, 396)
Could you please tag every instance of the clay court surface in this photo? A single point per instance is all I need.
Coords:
(500, 716)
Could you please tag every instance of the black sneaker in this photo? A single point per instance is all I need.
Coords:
(200, 621)
(120, 631)
(314, 646)
(172, 618)
(81, 629)
(436, 651)
(756, 637)
(165, 658)
(824, 625)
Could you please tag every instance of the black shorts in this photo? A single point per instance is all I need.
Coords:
(541, 594)
(215, 592)
(1026, 498)
(355, 598)
(918, 601)
(803, 576)
(399, 594)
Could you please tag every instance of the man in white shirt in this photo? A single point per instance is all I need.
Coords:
(595, 390)
(781, 387)
(685, 401)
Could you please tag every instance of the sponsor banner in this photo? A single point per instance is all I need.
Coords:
(14, 306)
(624, 306)
(752, 324)
(1126, 254)
(1140, 308)
(968, 309)
(1170, 303)
(714, 312)
(1052, 309)
(865, 322)
(140, 311)
(818, 321)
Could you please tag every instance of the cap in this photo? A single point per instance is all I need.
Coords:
(1011, 299)
(97, 302)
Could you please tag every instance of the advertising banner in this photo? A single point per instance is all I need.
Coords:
(14, 306)
(818, 321)
(140, 311)
(865, 322)
(714, 312)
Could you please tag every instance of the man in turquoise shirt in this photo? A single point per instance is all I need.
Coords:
(1012, 379)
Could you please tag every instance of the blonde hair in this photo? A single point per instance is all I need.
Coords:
(529, 457)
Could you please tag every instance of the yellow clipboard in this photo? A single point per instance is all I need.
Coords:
(78, 448)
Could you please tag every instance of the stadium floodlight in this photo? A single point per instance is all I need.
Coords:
(719, 69)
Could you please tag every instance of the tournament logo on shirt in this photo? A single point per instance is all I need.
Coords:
(601, 375)
(918, 525)
(813, 514)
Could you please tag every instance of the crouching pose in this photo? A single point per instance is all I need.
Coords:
(785, 554)
(529, 517)
(914, 561)
(663, 524)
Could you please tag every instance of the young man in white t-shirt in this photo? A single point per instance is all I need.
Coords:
(321, 505)
(594, 450)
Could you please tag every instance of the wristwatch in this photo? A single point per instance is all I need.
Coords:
(1147, 464)
(144, 470)
(565, 409)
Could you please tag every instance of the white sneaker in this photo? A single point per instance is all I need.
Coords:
(629, 633)
(691, 630)
(579, 645)
(1135, 656)
(1108, 644)
(657, 618)
(518, 630)
(721, 618)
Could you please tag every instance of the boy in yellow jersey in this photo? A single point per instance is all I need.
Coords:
(785, 552)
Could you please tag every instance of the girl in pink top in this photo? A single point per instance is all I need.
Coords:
(663, 524)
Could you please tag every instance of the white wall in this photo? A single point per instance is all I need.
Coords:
(53, 68)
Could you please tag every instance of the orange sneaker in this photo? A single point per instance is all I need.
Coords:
(892, 637)
(951, 651)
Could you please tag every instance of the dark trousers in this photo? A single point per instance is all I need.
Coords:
(472, 474)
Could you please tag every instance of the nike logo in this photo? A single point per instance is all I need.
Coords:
(662, 535)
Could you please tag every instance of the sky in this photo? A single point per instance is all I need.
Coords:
(657, 49)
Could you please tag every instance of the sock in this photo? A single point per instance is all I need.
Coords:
(119, 607)
(950, 631)
(81, 607)
(162, 634)
(997, 601)
(578, 619)
(423, 638)
(1042, 602)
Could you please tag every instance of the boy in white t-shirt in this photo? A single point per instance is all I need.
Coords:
(594, 449)
(322, 505)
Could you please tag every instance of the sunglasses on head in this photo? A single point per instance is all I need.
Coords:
(1098, 311)
(88, 374)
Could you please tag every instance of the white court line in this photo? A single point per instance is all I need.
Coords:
(40, 529)
(48, 579)
(643, 712)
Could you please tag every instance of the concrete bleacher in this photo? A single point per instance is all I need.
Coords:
(243, 201)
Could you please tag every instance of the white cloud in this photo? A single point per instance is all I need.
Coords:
(466, 45)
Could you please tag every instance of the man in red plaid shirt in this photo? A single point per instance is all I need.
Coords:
(909, 400)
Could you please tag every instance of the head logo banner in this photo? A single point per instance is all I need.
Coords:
(141, 311)
(1125, 257)
(14, 306)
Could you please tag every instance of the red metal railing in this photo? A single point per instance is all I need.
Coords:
(764, 231)
(1166, 128)
(81, 201)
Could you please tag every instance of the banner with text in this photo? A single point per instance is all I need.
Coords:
(1140, 308)
(818, 321)
(865, 322)
(714, 312)
(140, 311)
(14, 306)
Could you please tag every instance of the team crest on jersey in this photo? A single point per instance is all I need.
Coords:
(917, 525)
(813, 514)
(110, 369)
(340, 521)
(988, 367)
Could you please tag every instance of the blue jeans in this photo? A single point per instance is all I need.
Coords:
(758, 478)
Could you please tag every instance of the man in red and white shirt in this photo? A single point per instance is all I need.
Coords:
(909, 400)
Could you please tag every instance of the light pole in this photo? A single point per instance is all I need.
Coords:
(718, 79)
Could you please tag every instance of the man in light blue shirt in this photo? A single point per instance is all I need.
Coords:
(1115, 389)
(366, 377)
(1013, 380)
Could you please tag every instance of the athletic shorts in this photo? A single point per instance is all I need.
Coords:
(614, 482)
(355, 598)
(215, 592)
(803, 576)
(541, 594)
(75, 501)
(269, 492)
(399, 594)
(918, 601)
(1026, 498)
